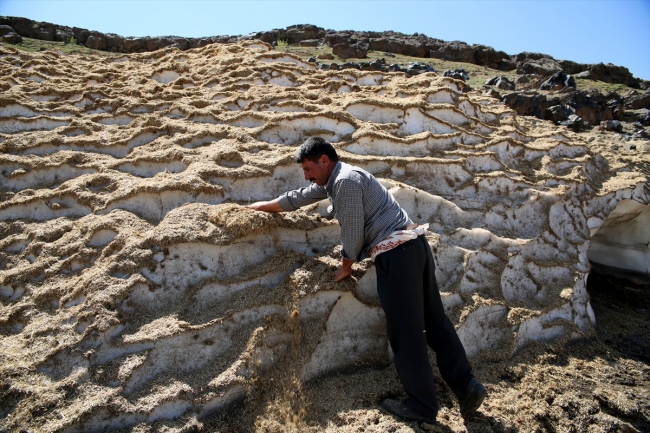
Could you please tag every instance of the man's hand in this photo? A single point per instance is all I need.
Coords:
(266, 206)
(344, 271)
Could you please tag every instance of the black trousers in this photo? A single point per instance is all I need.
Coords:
(415, 319)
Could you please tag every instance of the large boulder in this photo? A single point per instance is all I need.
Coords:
(338, 38)
(134, 45)
(500, 82)
(488, 56)
(458, 74)
(96, 41)
(22, 26)
(114, 42)
(559, 81)
(588, 106)
(454, 51)
(180, 43)
(268, 37)
(528, 104)
(379, 44)
(413, 48)
(43, 31)
(302, 32)
(542, 66)
(557, 113)
(81, 35)
(9, 35)
(637, 101)
(63, 35)
(571, 67)
(530, 56)
(5, 29)
(576, 123)
(354, 51)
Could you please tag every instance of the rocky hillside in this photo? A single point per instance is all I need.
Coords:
(346, 44)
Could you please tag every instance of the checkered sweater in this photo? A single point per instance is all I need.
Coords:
(366, 211)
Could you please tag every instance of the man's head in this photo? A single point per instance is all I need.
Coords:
(317, 158)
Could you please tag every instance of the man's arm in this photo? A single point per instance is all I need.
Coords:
(267, 206)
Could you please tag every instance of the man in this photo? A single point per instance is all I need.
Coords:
(374, 225)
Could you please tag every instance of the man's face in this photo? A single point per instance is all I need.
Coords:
(316, 172)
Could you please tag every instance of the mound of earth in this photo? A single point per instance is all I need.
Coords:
(138, 293)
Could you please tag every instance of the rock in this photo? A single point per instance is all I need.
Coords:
(493, 93)
(350, 65)
(180, 43)
(455, 51)
(303, 32)
(394, 68)
(64, 36)
(332, 39)
(528, 104)
(570, 67)
(10, 35)
(12, 38)
(5, 29)
(356, 51)
(543, 66)
(22, 26)
(530, 56)
(378, 44)
(81, 35)
(96, 41)
(269, 37)
(612, 125)
(558, 81)
(557, 113)
(645, 119)
(488, 56)
(458, 74)
(500, 82)
(135, 45)
(114, 42)
(575, 123)
(586, 105)
(637, 100)
(309, 43)
(334, 67)
(43, 31)
(311, 60)
(420, 67)
(413, 48)
(325, 56)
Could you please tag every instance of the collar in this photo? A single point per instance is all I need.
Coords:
(329, 186)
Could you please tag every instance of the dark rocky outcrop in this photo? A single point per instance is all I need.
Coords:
(358, 50)
(415, 45)
(455, 51)
(500, 82)
(458, 74)
(559, 81)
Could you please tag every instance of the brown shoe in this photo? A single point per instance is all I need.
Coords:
(409, 411)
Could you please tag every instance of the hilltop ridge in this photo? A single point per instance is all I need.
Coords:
(348, 43)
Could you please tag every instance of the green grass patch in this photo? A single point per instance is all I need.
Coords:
(602, 87)
(36, 45)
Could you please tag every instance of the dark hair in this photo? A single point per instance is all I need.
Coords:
(314, 148)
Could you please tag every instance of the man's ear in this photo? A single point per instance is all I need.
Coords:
(324, 159)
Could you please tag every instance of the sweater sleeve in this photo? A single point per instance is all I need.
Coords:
(292, 200)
